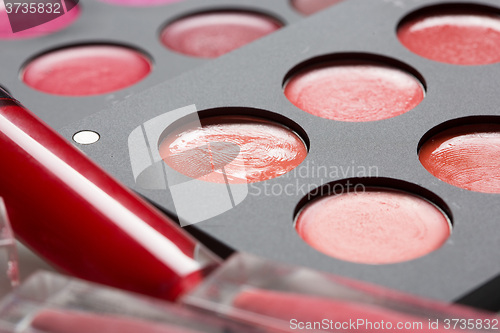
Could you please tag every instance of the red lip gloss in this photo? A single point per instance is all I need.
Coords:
(354, 91)
(86, 70)
(212, 34)
(82, 220)
(392, 226)
(88, 224)
(341, 314)
(466, 156)
(459, 36)
(57, 321)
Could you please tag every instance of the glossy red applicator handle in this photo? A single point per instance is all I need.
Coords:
(80, 219)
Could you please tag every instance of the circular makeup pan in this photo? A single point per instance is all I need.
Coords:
(465, 156)
(375, 226)
(354, 91)
(233, 149)
(140, 3)
(86, 70)
(309, 7)
(465, 36)
(212, 34)
(50, 27)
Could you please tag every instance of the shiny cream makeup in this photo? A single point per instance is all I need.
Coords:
(460, 34)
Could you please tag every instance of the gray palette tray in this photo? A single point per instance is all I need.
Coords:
(251, 79)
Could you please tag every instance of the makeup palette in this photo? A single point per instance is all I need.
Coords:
(109, 225)
(324, 145)
(103, 51)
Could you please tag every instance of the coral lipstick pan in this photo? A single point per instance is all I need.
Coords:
(77, 217)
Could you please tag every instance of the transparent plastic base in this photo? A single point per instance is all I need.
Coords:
(286, 297)
(49, 302)
(9, 270)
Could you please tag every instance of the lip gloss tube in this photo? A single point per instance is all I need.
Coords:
(81, 220)
(84, 221)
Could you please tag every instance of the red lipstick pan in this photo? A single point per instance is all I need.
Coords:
(84, 222)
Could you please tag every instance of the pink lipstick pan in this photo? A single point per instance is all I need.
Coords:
(379, 189)
(171, 264)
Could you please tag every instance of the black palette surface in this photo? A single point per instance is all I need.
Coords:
(251, 79)
(135, 27)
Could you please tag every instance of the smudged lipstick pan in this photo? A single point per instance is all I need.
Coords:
(265, 149)
(466, 156)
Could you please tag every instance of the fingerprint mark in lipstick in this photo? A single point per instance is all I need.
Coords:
(207, 159)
